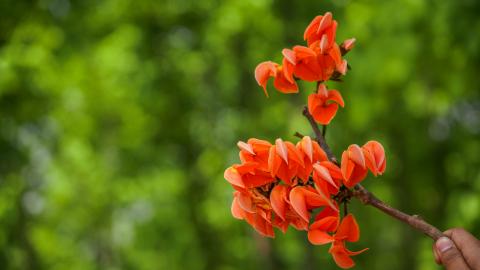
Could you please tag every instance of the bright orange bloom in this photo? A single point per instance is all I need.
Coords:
(322, 29)
(285, 214)
(353, 166)
(317, 62)
(346, 231)
(284, 161)
(254, 208)
(255, 151)
(375, 157)
(312, 153)
(327, 177)
(324, 104)
(268, 69)
(305, 198)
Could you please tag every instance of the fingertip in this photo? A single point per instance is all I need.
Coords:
(443, 244)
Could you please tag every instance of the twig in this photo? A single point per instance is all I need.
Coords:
(367, 198)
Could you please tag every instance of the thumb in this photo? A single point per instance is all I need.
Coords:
(449, 255)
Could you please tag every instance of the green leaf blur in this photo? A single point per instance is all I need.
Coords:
(118, 118)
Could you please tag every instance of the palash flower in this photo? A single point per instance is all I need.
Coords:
(312, 153)
(347, 231)
(323, 105)
(354, 168)
(284, 161)
(268, 69)
(374, 157)
(255, 209)
(323, 29)
(315, 62)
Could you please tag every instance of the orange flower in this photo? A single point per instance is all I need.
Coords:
(324, 104)
(268, 69)
(254, 208)
(255, 151)
(305, 198)
(312, 153)
(285, 214)
(323, 29)
(353, 166)
(284, 161)
(350, 232)
(327, 177)
(375, 157)
(347, 230)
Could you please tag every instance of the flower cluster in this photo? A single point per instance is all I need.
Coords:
(277, 185)
(319, 61)
(281, 184)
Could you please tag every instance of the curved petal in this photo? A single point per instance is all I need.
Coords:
(318, 237)
(282, 84)
(290, 56)
(327, 224)
(348, 229)
(274, 161)
(318, 153)
(277, 200)
(263, 71)
(233, 177)
(245, 147)
(324, 115)
(245, 202)
(343, 260)
(298, 203)
(237, 211)
(294, 154)
(307, 147)
(334, 95)
(348, 44)
(282, 150)
(312, 27)
(325, 22)
(322, 173)
(355, 154)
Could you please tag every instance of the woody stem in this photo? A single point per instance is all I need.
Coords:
(368, 198)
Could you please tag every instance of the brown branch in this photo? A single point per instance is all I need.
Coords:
(367, 198)
(415, 221)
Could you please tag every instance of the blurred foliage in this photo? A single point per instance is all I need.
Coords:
(117, 119)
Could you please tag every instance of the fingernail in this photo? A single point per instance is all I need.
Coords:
(443, 244)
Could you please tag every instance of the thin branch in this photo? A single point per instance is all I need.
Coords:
(415, 221)
(367, 198)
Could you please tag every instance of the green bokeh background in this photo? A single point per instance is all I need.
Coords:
(118, 118)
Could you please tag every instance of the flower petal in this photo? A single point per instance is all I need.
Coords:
(277, 200)
(298, 203)
(348, 229)
(237, 211)
(263, 71)
(355, 154)
(323, 174)
(334, 95)
(318, 237)
(246, 147)
(282, 150)
(233, 177)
